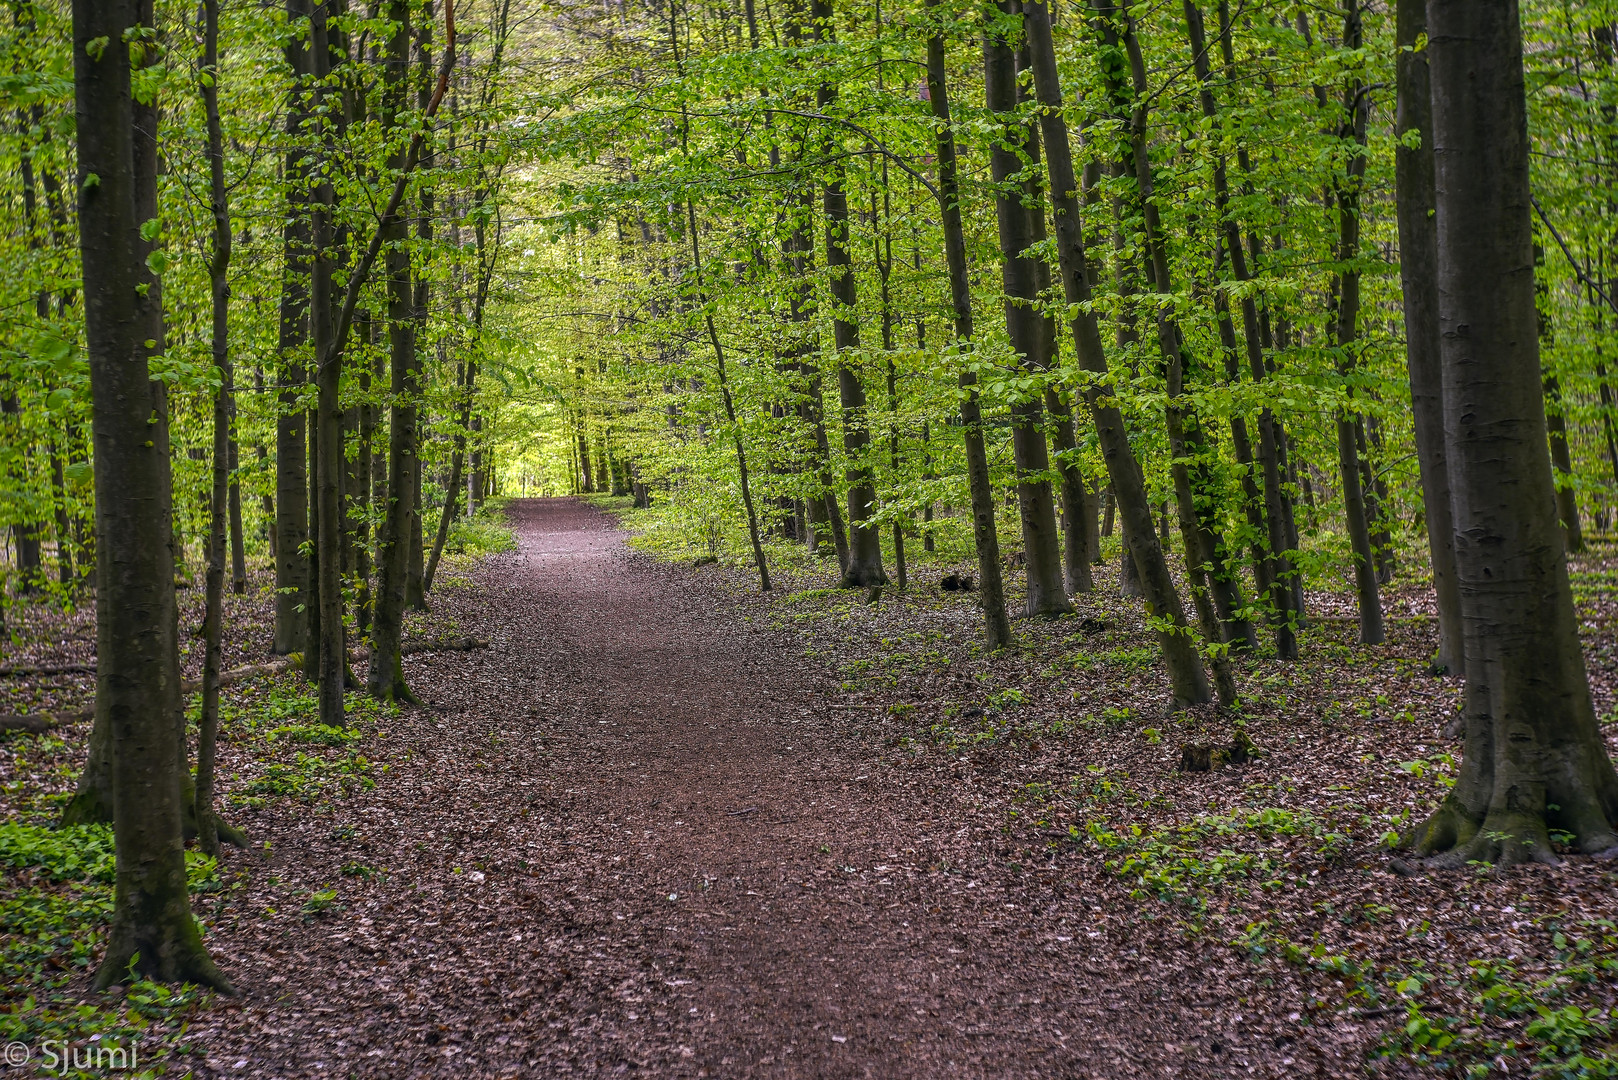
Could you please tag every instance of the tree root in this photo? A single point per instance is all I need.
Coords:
(1503, 840)
(1449, 826)
(182, 961)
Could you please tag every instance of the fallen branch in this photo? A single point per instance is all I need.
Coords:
(40, 722)
(21, 671)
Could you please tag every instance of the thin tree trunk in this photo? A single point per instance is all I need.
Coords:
(1356, 108)
(1418, 222)
(385, 679)
(456, 464)
(1199, 557)
(1030, 333)
(863, 568)
(991, 590)
(1187, 678)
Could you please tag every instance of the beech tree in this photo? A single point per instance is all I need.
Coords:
(137, 671)
(1534, 757)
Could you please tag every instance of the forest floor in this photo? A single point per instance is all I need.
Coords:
(665, 826)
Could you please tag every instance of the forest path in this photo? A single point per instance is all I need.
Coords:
(631, 837)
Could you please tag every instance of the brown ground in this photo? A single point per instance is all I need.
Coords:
(644, 834)
(691, 867)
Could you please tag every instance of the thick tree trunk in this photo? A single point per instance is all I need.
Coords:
(991, 590)
(1534, 758)
(1031, 337)
(137, 666)
(1187, 678)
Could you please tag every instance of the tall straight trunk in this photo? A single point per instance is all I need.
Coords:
(328, 456)
(416, 565)
(137, 667)
(1030, 333)
(1356, 108)
(1187, 678)
(1416, 208)
(1533, 758)
(991, 590)
(863, 568)
(386, 680)
(1075, 493)
(224, 408)
(293, 595)
(95, 798)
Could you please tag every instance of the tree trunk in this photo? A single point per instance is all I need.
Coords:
(137, 664)
(238, 543)
(1200, 557)
(991, 590)
(224, 408)
(1356, 109)
(864, 566)
(1030, 333)
(1187, 678)
(328, 457)
(1567, 498)
(385, 679)
(1267, 567)
(456, 463)
(292, 572)
(1534, 758)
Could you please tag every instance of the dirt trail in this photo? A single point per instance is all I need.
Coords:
(632, 838)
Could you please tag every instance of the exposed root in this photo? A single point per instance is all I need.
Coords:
(1503, 840)
(1448, 827)
(180, 959)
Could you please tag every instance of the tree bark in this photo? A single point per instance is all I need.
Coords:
(1188, 680)
(1030, 333)
(1534, 757)
(292, 571)
(863, 568)
(1200, 557)
(385, 678)
(1356, 108)
(328, 457)
(137, 676)
(991, 590)
(1418, 269)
